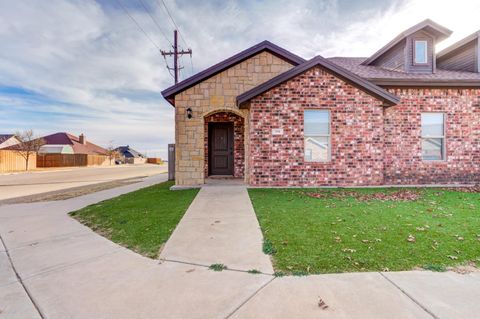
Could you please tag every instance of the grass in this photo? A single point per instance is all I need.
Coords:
(217, 267)
(331, 234)
(142, 220)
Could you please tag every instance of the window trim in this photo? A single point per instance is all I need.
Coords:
(444, 138)
(415, 52)
(329, 137)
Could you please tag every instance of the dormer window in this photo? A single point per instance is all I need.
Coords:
(420, 52)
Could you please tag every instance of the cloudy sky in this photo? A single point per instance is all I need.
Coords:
(84, 66)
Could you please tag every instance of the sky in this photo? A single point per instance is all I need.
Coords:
(82, 66)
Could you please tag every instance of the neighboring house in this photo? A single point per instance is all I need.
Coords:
(64, 143)
(405, 115)
(130, 156)
(7, 140)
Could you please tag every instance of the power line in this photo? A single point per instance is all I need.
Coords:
(177, 28)
(155, 22)
(176, 54)
(138, 25)
(173, 21)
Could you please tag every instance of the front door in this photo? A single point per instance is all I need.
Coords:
(220, 148)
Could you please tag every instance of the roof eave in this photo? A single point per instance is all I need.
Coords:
(443, 33)
(169, 93)
(344, 74)
(425, 83)
(458, 44)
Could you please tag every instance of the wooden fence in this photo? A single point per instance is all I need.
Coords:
(67, 160)
(11, 161)
(154, 160)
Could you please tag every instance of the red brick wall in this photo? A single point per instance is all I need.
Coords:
(356, 134)
(370, 144)
(403, 162)
(238, 140)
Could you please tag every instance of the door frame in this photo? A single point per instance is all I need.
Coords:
(231, 142)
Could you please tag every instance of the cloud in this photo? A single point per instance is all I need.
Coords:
(83, 66)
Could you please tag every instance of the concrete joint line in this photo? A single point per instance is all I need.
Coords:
(250, 298)
(208, 266)
(34, 303)
(409, 296)
(63, 267)
(78, 233)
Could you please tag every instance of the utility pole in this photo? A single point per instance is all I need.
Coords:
(175, 54)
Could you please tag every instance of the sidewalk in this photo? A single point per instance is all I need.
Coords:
(220, 227)
(68, 271)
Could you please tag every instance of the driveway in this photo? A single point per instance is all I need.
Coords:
(29, 183)
(62, 269)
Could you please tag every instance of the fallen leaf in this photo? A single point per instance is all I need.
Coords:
(411, 238)
(452, 257)
(322, 304)
(365, 241)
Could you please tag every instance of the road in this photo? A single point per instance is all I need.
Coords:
(24, 184)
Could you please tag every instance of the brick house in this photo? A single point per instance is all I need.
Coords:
(405, 115)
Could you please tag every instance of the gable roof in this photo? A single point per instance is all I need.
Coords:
(63, 138)
(434, 28)
(459, 44)
(381, 76)
(127, 151)
(5, 137)
(338, 71)
(169, 94)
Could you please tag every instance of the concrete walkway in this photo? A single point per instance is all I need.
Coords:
(64, 270)
(220, 227)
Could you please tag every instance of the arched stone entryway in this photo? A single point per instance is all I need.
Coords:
(220, 124)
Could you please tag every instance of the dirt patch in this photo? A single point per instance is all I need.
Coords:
(467, 189)
(72, 192)
(464, 269)
(403, 195)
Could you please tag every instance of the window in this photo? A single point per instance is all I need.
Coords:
(317, 135)
(420, 52)
(433, 136)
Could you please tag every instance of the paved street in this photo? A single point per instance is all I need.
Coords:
(23, 184)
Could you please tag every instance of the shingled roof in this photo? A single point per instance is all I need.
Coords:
(4, 137)
(63, 138)
(169, 94)
(430, 26)
(381, 76)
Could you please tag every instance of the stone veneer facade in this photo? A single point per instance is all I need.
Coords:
(370, 144)
(216, 94)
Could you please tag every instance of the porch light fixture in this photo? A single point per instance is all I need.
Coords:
(189, 113)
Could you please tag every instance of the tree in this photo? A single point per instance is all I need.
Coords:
(29, 144)
(112, 152)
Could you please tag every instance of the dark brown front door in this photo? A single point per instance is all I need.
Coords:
(220, 148)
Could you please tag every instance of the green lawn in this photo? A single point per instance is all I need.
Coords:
(142, 220)
(359, 230)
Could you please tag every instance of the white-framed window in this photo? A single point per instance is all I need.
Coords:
(316, 129)
(433, 136)
(421, 51)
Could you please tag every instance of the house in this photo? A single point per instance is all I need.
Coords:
(7, 140)
(130, 156)
(405, 115)
(65, 143)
